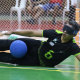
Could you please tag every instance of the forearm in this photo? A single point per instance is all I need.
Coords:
(78, 56)
(30, 33)
(23, 33)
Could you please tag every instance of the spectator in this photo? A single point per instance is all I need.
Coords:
(57, 5)
(72, 10)
(32, 4)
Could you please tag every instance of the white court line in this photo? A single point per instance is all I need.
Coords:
(46, 69)
(42, 68)
(57, 66)
(36, 68)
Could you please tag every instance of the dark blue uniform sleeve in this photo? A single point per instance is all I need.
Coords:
(49, 33)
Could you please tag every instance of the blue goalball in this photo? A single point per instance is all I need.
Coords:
(18, 48)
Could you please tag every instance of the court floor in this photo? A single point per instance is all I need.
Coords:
(67, 70)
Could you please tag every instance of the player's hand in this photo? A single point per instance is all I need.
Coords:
(8, 33)
(5, 33)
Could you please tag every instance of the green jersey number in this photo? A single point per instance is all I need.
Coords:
(48, 55)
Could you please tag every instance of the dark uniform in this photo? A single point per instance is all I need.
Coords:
(31, 57)
(48, 53)
(52, 51)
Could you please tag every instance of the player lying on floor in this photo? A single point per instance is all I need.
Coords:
(58, 47)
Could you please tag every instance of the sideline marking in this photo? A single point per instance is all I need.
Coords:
(46, 69)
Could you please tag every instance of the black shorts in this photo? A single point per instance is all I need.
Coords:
(31, 57)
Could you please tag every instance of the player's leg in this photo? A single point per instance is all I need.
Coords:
(5, 44)
(6, 57)
(31, 57)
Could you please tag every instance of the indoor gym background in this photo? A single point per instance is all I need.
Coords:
(67, 70)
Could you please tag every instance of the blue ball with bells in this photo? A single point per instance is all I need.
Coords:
(18, 48)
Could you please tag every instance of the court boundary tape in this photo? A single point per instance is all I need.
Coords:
(46, 69)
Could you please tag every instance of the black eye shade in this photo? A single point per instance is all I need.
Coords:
(69, 30)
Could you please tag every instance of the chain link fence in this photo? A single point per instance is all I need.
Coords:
(18, 21)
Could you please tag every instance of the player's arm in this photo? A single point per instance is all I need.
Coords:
(76, 51)
(78, 56)
(30, 33)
